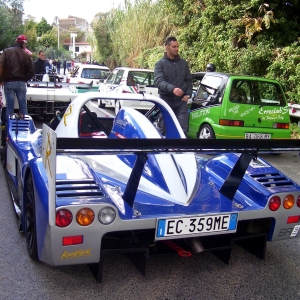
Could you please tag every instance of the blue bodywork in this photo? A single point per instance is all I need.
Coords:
(136, 180)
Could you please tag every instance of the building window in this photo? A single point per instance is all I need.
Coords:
(76, 49)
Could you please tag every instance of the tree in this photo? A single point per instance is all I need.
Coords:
(30, 32)
(43, 27)
(11, 22)
(100, 40)
(122, 36)
(48, 39)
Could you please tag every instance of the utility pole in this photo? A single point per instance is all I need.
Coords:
(57, 23)
(73, 36)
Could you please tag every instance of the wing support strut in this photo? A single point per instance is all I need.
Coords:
(236, 175)
(134, 179)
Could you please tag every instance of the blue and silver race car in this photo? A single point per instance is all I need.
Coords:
(96, 184)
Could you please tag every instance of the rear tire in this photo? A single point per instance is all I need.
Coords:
(30, 219)
(4, 150)
(206, 132)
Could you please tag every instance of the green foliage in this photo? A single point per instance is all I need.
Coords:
(11, 22)
(100, 40)
(43, 27)
(124, 35)
(47, 40)
(30, 33)
(148, 58)
(295, 131)
(285, 68)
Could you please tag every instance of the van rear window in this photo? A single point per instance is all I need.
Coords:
(256, 93)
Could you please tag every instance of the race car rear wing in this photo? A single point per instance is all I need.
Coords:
(249, 150)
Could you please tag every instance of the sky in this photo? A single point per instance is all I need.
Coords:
(85, 9)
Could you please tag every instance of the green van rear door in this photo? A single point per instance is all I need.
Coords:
(260, 104)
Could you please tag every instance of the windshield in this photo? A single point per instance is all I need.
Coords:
(95, 73)
(140, 77)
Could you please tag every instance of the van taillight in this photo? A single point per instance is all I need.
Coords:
(281, 125)
(231, 123)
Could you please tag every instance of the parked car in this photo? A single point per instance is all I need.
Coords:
(96, 184)
(86, 73)
(228, 106)
(128, 80)
(44, 99)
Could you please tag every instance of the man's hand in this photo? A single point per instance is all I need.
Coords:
(178, 91)
(185, 98)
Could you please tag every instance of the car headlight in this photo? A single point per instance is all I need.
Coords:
(106, 215)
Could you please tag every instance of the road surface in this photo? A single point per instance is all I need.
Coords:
(201, 276)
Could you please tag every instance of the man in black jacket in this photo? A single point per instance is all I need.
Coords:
(15, 70)
(39, 65)
(173, 78)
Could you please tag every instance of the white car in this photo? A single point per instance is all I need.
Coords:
(128, 80)
(87, 73)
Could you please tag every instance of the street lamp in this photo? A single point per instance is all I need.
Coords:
(57, 23)
(73, 36)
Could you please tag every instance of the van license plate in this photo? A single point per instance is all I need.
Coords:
(196, 225)
(258, 136)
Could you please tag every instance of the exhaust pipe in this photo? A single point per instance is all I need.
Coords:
(195, 245)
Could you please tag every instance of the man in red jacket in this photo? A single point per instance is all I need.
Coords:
(15, 70)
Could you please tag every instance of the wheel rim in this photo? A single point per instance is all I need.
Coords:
(205, 133)
(29, 215)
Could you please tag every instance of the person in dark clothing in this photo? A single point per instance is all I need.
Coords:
(65, 66)
(15, 70)
(173, 78)
(39, 66)
(58, 63)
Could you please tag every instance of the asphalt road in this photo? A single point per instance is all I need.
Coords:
(201, 276)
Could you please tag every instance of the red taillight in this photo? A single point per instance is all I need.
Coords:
(63, 218)
(126, 92)
(293, 219)
(281, 125)
(72, 240)
(274, 203)
(298, 201)
(68, 80)
(231, 123)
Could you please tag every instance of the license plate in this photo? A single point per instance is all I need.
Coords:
(258, 136)
(196, 225)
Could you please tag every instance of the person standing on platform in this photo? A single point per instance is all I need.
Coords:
(16, 69)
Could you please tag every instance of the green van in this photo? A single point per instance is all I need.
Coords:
(228, 106)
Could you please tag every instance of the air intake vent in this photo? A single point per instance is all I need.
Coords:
(20, 125)
(78, 188)
(272, 180)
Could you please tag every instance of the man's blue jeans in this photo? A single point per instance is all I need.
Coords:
(11, 89)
